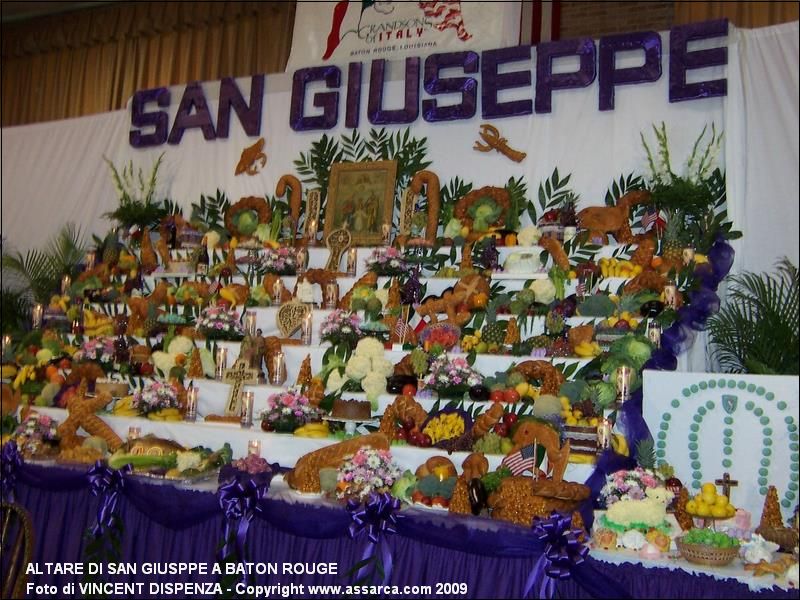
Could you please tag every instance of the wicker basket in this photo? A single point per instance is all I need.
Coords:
(710, 556)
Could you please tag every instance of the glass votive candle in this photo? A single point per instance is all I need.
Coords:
(134, 433)
(37, 314)
(277, 291)
(90, 260)
(191, 404)
(604, 434)
(623, 382)
(654, 332)
(250, 323)
(330, 295)
(221, 362)
(352, 258)
(248, 400)
(278, 372)
(671, 295)
(6, 346)
(306, 331)
(311, 231)
(254, 447)
(302, 260)
(66, 283)
(687, 254)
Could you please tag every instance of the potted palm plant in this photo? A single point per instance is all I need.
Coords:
(757, 329)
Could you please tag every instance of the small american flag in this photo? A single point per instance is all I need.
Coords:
(581, 289)
(652, 217)
(401, 328)
(521, 460)
(446, 15)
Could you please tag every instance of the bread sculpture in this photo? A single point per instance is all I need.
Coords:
(519, 499)
(305, 475)
(82, 410)
(436, 465)
(544, 371)
(403, 408)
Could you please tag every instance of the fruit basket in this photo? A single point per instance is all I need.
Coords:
(703, 554)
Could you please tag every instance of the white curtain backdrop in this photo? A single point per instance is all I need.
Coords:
(54, 172)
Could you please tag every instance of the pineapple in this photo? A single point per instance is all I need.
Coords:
(111, 248)
(541, 341)
(151, 321)
(672, 245)
(493, 333)
(646, 453)
(554, 323)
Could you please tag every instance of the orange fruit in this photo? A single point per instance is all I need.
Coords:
(57, 378)
(511, 239)
(50, 371)
(656, 262)
(180, 360)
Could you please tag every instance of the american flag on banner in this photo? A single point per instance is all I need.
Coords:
(522, 460)
(401, 328)
(446, 15)
(540, 21)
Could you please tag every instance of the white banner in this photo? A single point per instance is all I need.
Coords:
(340, 32)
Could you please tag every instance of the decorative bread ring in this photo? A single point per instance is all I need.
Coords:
(431, 182)
(500, 196)
(550, 377)
(254, 203)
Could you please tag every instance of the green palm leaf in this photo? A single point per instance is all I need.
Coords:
(757, 330)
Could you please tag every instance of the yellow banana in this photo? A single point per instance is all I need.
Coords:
(620, 444)
(9, 371)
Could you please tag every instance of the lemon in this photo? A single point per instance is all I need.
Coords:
(594, 421)
(703, 510)
(577, 414)
(573, 275)
(572, 420)
(710, 499)
(709, 488)
(522, 389)
(721, 500)
(564, 402)
(729, 511)
(691, 507)
(718, 511)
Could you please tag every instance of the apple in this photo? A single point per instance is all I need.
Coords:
(440, 501)
(509, 419)
(426, 500)
(400, 434)
(511, 395)
(146, 369)
(426, 441)
(417, 496)
(409, 424)
(622, 325)
(409, 389)
(501, 429)
(497, 396)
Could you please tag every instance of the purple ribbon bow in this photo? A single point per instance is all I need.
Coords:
(562, 553)
(106, 483)
(240, 499)
(10, 463)
(375, 517)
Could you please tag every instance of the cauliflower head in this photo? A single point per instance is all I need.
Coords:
(369, 347)
(529, 236)
(544, 290)
(358, 367)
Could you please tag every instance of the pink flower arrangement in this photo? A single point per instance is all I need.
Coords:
(367, 471)
(289, 410)
(447, 372)
(219, 323)
(387, 261)
(281, 261)
(99, 349)
(629, 485)
(155, 396)
(341, 327)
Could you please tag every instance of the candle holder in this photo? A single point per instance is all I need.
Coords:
(654, 332)
(352, 259)
(277, 291)
(623, 383)
(134, 433)
(37, 314)
(330, 295)
(687, 254)
(77, 327)
(386, 234)
(302, 260)
(221, 362)
(671, 295)
(248, 399)
(250, 323)
(254, 447)
(311, 232)
(306, 332)
(66, 283)
(6, 351)
(90, 260)
(604, 435)
(191, 404)
(278, 372)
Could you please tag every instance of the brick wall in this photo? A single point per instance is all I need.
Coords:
(602, 17)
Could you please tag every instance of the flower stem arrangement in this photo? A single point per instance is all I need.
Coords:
(449, 376)
(341, 327)
(99, 350)
(36, 435)
(280, 261)
(137, 202)
(367, 471)
(388, 262)
(288, 410)
(155, 396)
(217, 322)
(629, 485)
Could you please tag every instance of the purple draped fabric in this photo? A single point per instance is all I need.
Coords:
(166, 524)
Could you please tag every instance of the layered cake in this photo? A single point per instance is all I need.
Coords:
(357, 410)
(582, 440)
(115, 388)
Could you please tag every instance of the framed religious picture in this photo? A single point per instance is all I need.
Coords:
(361, 200)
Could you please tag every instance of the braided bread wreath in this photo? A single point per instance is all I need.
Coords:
(248, 203)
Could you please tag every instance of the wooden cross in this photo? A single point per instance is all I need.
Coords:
(239, 374)
(726, 483)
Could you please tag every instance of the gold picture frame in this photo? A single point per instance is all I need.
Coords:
(361, 200)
